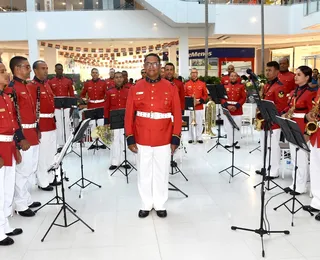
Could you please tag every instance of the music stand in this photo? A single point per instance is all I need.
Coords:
(218, 92)
(294, 136)
(268, 112)
(65, 207)
(63, 103)
(78, 138)
(234, 127)
(117, 122)
(95, 114)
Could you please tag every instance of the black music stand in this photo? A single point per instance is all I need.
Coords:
(78, 139)
(234, 127)
(95, 114)
(65, 207)
(63, 103)
(117, 122)
(218, 92)
(294, 136)
(268, 112)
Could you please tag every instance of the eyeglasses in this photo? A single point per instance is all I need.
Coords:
(151, 64)
(143, 72)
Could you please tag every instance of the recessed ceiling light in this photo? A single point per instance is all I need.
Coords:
(41, 25)
(80, 3)
(155, 24)
(63, 3)
(131, 42)
(253, 19)
(97, 3)
(89, 42)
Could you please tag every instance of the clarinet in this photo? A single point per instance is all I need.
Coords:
(16, 106)
(38, 107)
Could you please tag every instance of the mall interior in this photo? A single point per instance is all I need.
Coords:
(118, 34)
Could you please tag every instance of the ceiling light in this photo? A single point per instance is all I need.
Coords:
(98, 24)
(63, 3)
(154, 24)
(253, 19)
(89, 42)
(80, 3)
(131, 42)
(41, 25)
(97, 3)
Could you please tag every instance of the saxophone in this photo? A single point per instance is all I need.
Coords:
(259, 119)
(104, 133)
(210, 118)
(312, 126)
(289, 114)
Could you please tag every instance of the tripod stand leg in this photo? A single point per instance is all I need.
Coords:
(262, 246)
(53, 222)
(177, 189)
(76, 216)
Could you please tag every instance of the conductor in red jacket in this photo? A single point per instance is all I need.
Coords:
(151, 105)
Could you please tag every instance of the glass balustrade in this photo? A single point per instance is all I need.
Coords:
(250, 2)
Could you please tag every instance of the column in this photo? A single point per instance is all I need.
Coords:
(69, 5)
(173, 55)
(48, 5)
(31, 5)
(51, 58)
(184, 53)
(267, 58)
(107, 4)
(33, 52)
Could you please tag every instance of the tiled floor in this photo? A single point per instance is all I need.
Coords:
(197, 227)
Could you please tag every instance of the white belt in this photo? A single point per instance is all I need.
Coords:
(298, 115)
(96, 101)
(46, 115)
(26, 126)
(232, 102)
(154, 115)
(6, 138)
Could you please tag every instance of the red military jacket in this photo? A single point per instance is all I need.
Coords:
(46, 116)
(154, 99)
(225, 80)
(8, 126)
(62, 87)
(116, 99)
(287, 79)
(128, 85)
(315, 137)
(197, 89)
(180, 87)
(96, 91)
(110, 83)
(275, 91)
(237, 96)
(27, 108)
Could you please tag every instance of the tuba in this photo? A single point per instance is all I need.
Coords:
(104, 133)
(210, 118)
(194, 121)
(312, 126)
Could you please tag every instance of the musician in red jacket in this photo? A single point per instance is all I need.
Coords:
(26, 114)
(41, 92)
(225, 80)
(62, 87)
(285, 76)
(94, 91)
(276, 92)
(110, 81)
(9, 156)
(169, 75)
(151, 104)
(116, 99)
(236, 97)
(197, 89)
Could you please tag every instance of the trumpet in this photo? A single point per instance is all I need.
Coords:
(313, 126)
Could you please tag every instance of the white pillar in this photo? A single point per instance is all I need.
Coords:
(48, 5)
(69, 5)
(173, 55)
(33, 52)
(51, 58)
(31, 5)
(107, 4)
(184, 53)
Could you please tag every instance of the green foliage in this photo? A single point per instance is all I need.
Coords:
(210, 80)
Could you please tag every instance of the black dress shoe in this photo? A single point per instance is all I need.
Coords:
(317, 217)
(55, 183)
(35, 204)
(287, 190)
(126, 166)
(190, 141)
(309, 208)
(113, 167)
(26, 213)
(258, 172)
(200, 141)
(162, 213)
(15, 232)
(143, 213)
(48, 188)
(7, 241)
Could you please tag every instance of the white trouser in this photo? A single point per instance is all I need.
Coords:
(315, 176)
(275, 151)
(117, 147)
(47, 151)
(24, 177)
(199, 127)
(7, 180)
(153, 175)
(229, 129)
(302, 171)
(67, 125)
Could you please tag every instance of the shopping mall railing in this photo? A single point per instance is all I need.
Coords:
(311, 6)
(250, 2)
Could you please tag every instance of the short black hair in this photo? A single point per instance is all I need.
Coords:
(15, 61)
(36, 63)
(118, 72)
(94, 69)
(307, 71)
(170, 64)
(152, 55)
(285, 58)
(124, 71)
(315, 69)
(58, 64)
(274, 64)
